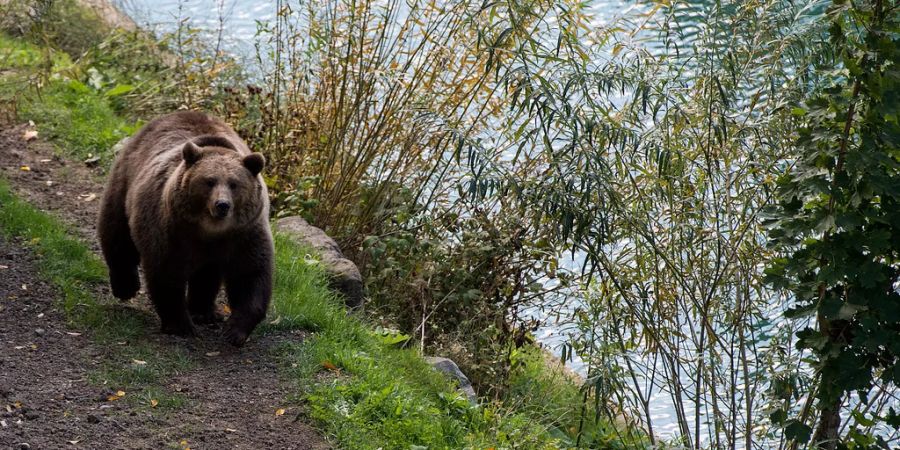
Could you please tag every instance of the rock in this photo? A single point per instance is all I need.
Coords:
(92, 162)
(119, 145)
(345, 276)
(24, 446)
(450, 368)
(39, 331)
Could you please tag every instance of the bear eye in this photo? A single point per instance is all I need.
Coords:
(211, 182)
(232, 185)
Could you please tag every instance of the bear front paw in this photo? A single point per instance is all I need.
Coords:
(124, 285)
(235, 336)
(183, 329)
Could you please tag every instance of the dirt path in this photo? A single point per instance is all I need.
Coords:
(46, 399)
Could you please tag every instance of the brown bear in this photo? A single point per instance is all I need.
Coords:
(186, 201)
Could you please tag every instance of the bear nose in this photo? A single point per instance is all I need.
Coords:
(222, 207)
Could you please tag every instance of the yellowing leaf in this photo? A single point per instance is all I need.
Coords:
(116, 396)
(25, 169)
(329, 365)
(279, 412)
(226, 309)
(153, 402)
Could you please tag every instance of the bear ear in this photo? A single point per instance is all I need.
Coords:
(254, 162)
(190, 153)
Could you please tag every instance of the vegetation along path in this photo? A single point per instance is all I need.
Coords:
(80, 370)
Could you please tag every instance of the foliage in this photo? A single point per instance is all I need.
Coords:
(837, 221)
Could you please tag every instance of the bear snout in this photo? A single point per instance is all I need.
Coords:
(221, 209)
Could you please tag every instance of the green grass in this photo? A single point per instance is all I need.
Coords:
(379, 396)
(77, 117)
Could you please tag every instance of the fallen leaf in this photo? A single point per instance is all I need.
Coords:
(24, 287)
(74, 442)
(279, 412)
(3, 423)
(30, 135)
(19, 347)
(153, 402)
(46, 160)
(226, 309)
(138, 362)
(72, 333)
(25, 169)
(33, 347)
(90, 197)
(276, 321)
(116, 396)
(49, 182)
(2, 267)
(329, 365)
(212, 354)
(41, 315)
(17, 404)
(230, 430)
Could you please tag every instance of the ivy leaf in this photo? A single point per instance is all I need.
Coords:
(797, 431)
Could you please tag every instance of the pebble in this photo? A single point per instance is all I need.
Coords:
(39, 331)
(24, 446)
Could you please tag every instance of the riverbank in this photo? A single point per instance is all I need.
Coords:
(352, 380)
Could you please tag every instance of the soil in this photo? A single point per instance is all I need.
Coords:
(47, 397)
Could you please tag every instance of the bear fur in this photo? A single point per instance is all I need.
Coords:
(186, 201)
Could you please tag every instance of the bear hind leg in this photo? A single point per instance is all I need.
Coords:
(203, 287)
(118, 248)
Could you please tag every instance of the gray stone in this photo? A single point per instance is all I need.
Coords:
(345, 276)
(450, 368)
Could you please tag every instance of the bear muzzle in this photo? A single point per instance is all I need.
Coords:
(220, 209)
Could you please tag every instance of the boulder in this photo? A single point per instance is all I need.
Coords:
(450, 368)
(344, 275)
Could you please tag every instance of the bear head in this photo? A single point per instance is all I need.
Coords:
(220, 188)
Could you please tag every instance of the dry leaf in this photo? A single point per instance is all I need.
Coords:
(230, 430)
(116, 396)
(74, 442)
(46, 160)
(279, 412)
(30, 135)
(17, 404)
(2, 267)
(153, 402)
(212, 354)
(24, 287)
(90, 197)
(329, 365)
(25, 169)
(138, 362)
(72, 333)
(226, 309)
